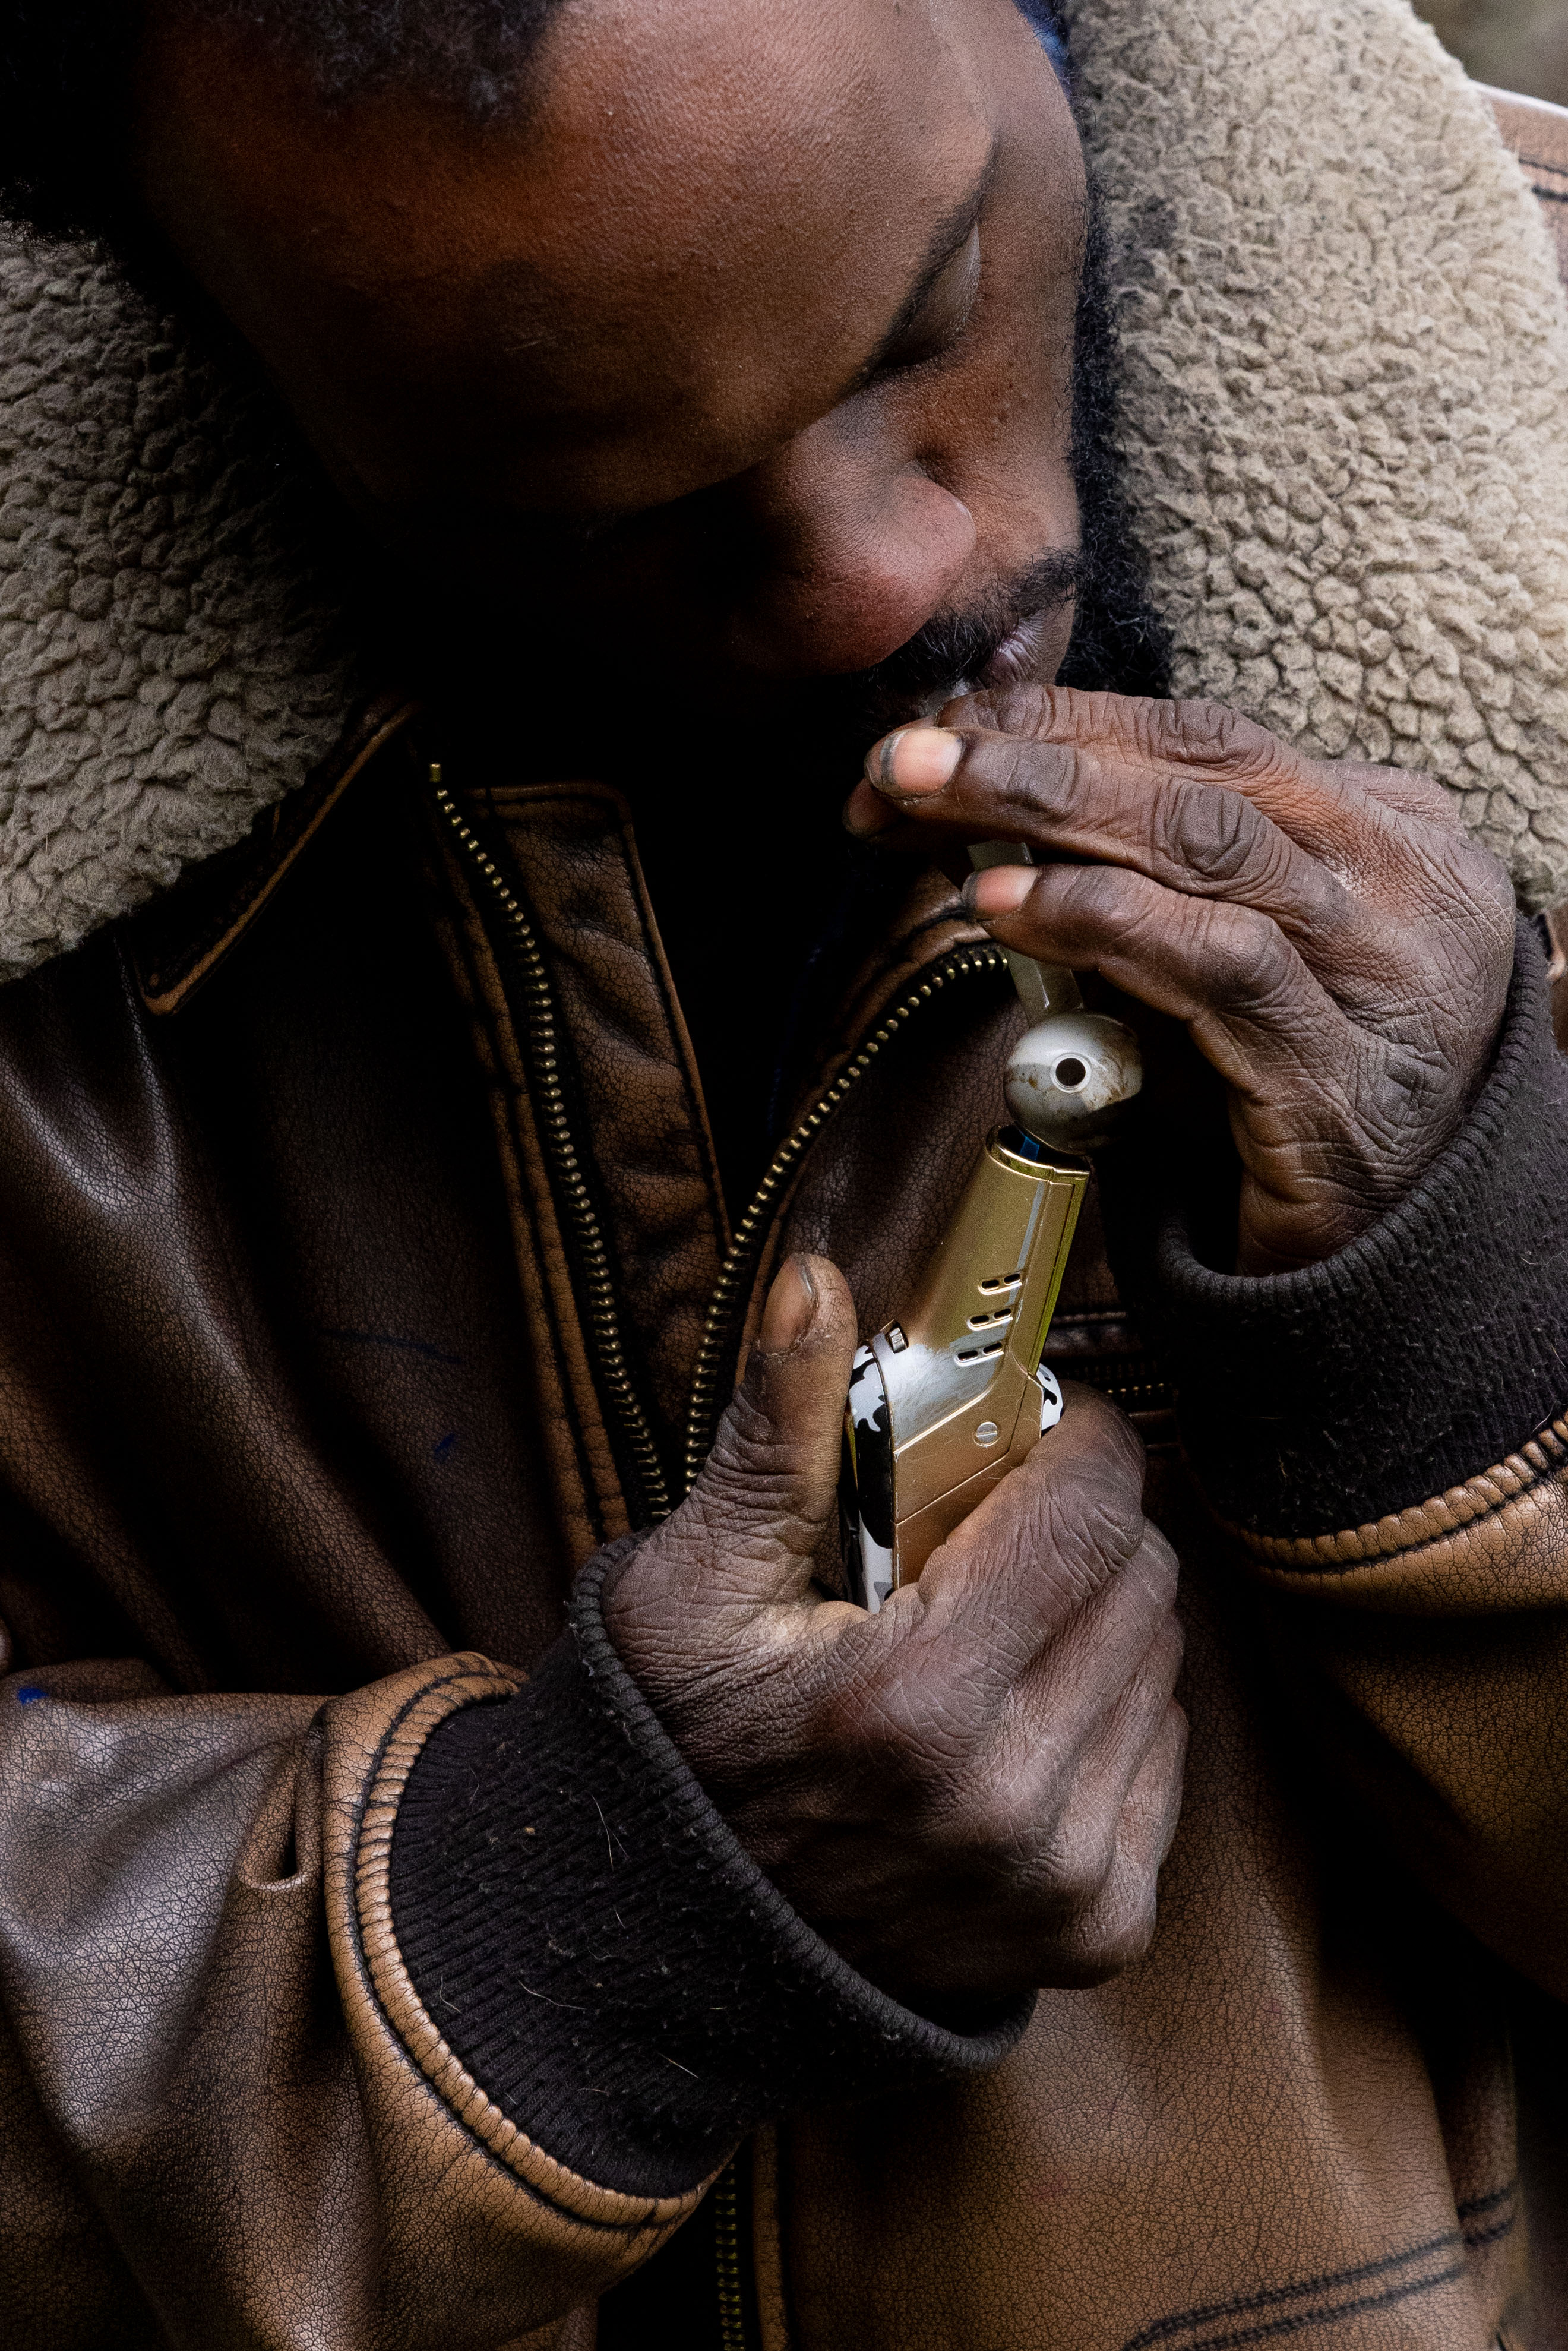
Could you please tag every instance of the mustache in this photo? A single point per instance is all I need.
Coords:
(955, 649)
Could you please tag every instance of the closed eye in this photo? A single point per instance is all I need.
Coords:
(941, 316)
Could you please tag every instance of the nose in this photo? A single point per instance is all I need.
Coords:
(860, 546)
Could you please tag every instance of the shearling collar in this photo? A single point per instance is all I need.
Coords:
(1346, 355)
(1346, 348)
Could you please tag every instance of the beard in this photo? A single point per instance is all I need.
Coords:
(1118, 643)
(954, 652)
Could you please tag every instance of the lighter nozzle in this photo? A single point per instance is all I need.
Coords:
(1072, 1077)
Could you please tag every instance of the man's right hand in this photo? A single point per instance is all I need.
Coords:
(971, 1792)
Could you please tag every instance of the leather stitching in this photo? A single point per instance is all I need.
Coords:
(1183, 2329)
(488, 813)
(603, 800)
(168, 976)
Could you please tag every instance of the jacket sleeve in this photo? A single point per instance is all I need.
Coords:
(412, 2020)
(1385, 1439)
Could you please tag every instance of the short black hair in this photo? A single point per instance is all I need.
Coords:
(66, 65)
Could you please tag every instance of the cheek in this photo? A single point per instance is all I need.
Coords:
(995, 427)
(998, 436)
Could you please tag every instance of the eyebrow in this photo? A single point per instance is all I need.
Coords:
(947, 239)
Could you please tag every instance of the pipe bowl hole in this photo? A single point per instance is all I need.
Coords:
(1070, 1073)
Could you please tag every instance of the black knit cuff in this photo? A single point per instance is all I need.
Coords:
(1429, 1350)
(601, 1954)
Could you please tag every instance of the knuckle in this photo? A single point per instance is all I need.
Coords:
(901, 1730)
(1122, 1935)
(1217, 835)
(1488, 889)
(1100, 904)
(1000, 1826)
(1032, 775)
(1162, 1570)
(1029, 710)
(1083, 1856)
(1210, 735)
(1090, 1534)
(1248, 959)
(1103, 1474)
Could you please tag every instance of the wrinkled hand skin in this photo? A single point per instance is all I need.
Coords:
(1334, 945)
(971, 1792)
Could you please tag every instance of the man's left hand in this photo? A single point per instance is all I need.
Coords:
(1335, 944)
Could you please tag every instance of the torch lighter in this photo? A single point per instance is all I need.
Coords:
(949, 1397)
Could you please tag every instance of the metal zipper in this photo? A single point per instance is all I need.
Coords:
(709, 1384)
(732, 2328)
(548, 1097)
(730, 1293)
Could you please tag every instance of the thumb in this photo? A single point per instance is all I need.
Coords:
(770, 1488)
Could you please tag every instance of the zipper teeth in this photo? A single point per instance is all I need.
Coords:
(600, 1309)
(733, 1280)
(736, 1272)
(732, 2332)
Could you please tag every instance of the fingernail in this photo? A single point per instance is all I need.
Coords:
(915, 760)
(791, 1303)
(997, 889)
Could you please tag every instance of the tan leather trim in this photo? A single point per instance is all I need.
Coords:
(1500, 1539)
(411, 1706)
(287, 840)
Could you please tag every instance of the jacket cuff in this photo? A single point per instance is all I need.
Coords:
(601, 1953)
(1429, 1351)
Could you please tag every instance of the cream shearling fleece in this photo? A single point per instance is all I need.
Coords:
(168, 663)
(1346, 394)
(1347, 433)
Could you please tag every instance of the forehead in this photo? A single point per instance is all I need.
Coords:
(697, 228)
(709, 193)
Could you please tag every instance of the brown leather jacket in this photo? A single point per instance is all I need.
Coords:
(310, 1386)
(362, 1271)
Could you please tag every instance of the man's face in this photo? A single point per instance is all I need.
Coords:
(744, 355)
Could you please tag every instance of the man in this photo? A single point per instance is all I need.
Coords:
(689, 396)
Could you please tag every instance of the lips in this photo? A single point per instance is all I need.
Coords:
(1016, 661)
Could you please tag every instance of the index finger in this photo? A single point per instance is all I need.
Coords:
(1327, 812)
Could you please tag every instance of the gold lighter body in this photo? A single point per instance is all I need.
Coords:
(948, 1398)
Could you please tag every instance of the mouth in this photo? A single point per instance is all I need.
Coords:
(1016, 661)
(1004, 640)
